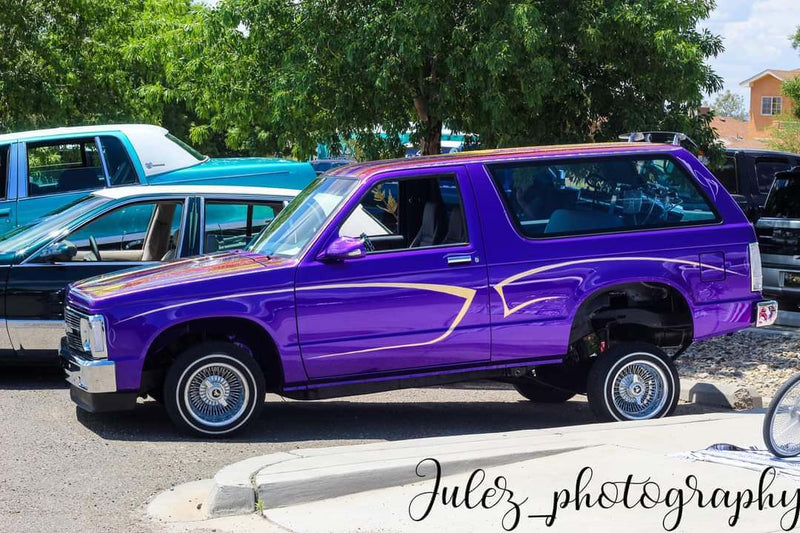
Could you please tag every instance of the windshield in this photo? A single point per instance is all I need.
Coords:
(295, 226)
(784, 198)
(30, 233)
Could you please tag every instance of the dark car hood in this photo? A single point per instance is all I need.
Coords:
(187, 271)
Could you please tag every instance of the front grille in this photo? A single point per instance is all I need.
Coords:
(72, 324)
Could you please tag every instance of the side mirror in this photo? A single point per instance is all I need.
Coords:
(343, 248)
(58, 252)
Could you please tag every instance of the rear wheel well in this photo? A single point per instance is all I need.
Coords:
(653, 313)
(247, 334)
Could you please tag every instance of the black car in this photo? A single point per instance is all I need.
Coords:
(111, 230)
(748, 175)
(778, 231)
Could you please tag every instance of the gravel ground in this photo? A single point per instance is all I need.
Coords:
(760, 360)
(62, 471)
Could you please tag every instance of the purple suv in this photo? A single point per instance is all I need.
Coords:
(563, 270)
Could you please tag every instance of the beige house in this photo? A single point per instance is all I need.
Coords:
(766, 99)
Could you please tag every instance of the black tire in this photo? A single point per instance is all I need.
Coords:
(633, 360)
(541, 393)
(770, 418)
(214, 389)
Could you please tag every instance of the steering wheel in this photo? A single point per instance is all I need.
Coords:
(95, 249)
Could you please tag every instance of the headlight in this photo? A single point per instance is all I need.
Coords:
(93, 336)
(756, 279)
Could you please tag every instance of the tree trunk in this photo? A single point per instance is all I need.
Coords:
(431, 142)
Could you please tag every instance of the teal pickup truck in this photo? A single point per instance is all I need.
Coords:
(43, 170)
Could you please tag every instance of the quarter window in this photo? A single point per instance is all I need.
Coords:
(120, 168)
(595, 196)
(771, 105)
(148, 231)
(231, 225)
(766, 169)
(64, 166)
(409, 213)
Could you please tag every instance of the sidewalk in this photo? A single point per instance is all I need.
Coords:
(374, 487)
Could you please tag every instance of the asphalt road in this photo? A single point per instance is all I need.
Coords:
(62, 470)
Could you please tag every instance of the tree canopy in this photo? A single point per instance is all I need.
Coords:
(729, 104)
(280, 76)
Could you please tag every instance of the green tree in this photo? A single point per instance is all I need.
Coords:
(66, 62)
(728, 104)
(281, 76)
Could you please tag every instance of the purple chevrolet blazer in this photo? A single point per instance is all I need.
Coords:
(564, 270)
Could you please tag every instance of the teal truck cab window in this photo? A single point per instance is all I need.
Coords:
(64, 166)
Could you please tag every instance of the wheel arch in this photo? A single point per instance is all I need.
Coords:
(674, 300)
(170, 341)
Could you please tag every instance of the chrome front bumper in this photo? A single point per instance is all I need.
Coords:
(94, 376)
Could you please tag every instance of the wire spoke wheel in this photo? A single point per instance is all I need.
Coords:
(639, 390)
(216, 394)
(782, 424)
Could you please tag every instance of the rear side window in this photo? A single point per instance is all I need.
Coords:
(784, 198)
(64, 166)
(5, 160)
(766, 169)
(727, 175)
(231, 225)
(555, 198)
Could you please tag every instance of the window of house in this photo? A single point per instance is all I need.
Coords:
(5, 162)
(596, 196)
(231, 225)
(409, 213)
(64, 166)
(147, 231)
(771, 105)
(120, 168)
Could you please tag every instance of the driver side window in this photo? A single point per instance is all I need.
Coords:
(148, 231)
(409, 213)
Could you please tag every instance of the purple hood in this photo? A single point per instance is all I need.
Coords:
(183, 274)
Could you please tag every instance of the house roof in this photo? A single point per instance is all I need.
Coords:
(735, 133)
(781, 75)
(369, 169)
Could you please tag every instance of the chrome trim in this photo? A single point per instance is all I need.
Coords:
(35, 334)
(772, 313)
(91, 376)
(459, 259)
(768, 222)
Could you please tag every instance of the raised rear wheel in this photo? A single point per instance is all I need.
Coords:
(633, 381)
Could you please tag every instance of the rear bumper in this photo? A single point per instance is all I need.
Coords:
(93, 383)
(774, 282)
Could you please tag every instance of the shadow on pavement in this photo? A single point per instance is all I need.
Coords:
(31, 376)
(292, 421)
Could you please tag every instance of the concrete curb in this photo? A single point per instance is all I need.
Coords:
(233, 491)
(730, 396)
(288, 478)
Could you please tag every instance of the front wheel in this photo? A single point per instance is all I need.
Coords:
(782, 423)
(633, 381)
(214, 389)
